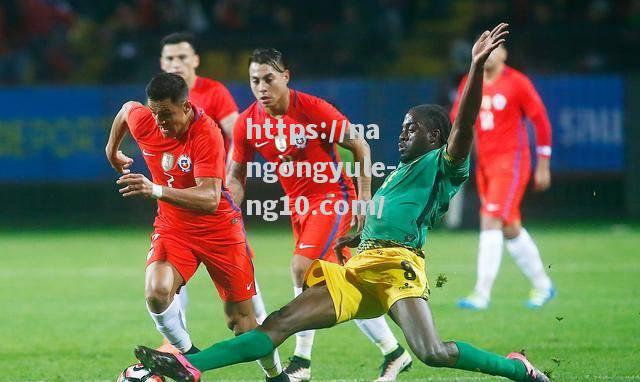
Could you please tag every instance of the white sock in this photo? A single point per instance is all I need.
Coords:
(271, 364)
(183, 301)
(258, 305)
(304, 340)
(170, 325)
(526, 254)
(379, 333)
(489, 257)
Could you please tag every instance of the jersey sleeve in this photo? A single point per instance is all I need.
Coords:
(223, 103)
(534, 109)
(457, 173)
(140, 121)
(208, 154)
(336, 125)
(243, 152)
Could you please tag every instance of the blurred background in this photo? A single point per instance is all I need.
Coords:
(66, 66)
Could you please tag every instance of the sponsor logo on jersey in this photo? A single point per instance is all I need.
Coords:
(184, 162)
(167, 161)
(260, 144)
(281, 143)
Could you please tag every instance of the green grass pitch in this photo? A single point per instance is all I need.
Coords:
(72, 306)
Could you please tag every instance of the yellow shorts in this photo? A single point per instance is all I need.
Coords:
(371, 282)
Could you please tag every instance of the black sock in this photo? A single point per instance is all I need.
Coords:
(193, 350)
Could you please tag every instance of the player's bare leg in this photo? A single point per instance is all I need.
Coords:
(525, 253)
(313, 309)
(162, 281)
(396, 358)
(413, 315)
(240, 319)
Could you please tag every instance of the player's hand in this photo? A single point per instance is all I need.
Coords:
(350, 241)
(542, 175)
(358, 220)
(135, 184)
(120, 162)
(487, 42)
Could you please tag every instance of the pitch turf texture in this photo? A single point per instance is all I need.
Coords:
(72, 306)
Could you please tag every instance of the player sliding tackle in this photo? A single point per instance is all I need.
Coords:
(388, 274)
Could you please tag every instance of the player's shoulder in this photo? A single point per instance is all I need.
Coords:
(304, 99)
(515, 74)
(206, 83)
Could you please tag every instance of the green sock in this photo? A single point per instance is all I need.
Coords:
(474, 359)
(246, 347)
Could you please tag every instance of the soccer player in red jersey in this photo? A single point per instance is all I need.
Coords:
(502, 174)
(315, 231)
(197, 222)
(179, 56)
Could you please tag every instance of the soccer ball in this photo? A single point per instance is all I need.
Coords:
(139, 373)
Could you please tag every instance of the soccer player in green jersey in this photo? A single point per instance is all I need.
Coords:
(387, 274)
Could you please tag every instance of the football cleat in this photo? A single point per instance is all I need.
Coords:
(174, 366)
(539, 297)
(298, 369)
(534, 374)
(473, 302)
(282, 377)
(394, 363)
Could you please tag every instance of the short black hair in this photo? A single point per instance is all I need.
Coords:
(269, 56)
(167, 86)
(177, 38)
(433, 117)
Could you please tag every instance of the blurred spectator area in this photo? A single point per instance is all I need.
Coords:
(117, 41)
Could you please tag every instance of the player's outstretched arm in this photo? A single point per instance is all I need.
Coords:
(236, 180)
(120, 162)
(461, 137)
(204, 196)
(362, 155)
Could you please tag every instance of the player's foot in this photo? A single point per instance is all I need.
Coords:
(282, 377)
(298, 369)
(539, 297)
(174, 366)
(394, 363)
(166, 347)
(473, 302)
(534, 374)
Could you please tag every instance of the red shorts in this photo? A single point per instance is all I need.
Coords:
(229, 265)
(502, 182)
(315, 234)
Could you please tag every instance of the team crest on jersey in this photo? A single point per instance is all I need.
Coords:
(184, 162)
(167, 161)
(301, 141)
(499, 101)
(281, 143)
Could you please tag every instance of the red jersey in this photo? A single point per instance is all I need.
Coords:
(306, 110)
(500, 127)
(176, 162)
(214, 98)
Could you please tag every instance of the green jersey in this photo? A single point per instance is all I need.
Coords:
(412, 198)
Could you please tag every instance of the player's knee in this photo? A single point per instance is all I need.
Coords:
(434, 355)
(158, 299)
(279, 322)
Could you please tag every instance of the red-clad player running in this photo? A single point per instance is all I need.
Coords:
(179, 56)
(315, 231)
(197, 222)
(502, 172)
